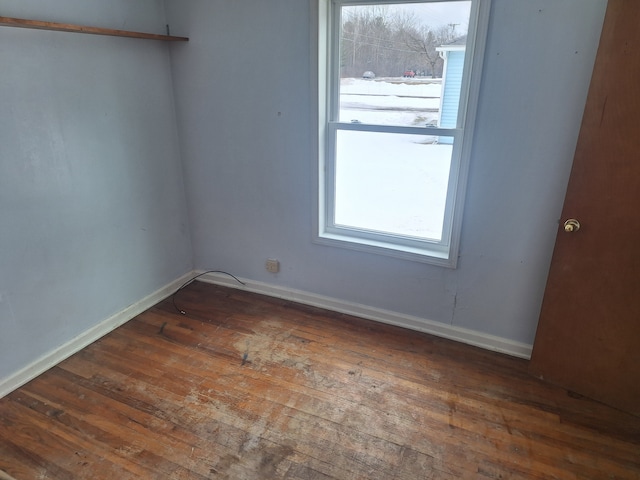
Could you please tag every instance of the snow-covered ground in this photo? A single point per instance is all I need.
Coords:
(417, 86)
(390, 101)
(391, 182)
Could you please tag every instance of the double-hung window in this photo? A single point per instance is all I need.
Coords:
(398, 85)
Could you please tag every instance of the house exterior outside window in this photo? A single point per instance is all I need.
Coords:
(453, 56)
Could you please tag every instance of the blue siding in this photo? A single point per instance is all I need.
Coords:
(452, 83)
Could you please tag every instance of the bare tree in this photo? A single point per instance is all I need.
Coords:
(389, 42)
(423, 41)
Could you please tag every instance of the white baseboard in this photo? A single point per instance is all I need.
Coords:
(470, 337)
(44, 363)
(464, 335)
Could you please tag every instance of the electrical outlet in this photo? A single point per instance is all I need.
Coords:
(272, 265)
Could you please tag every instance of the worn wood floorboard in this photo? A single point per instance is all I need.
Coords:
(250, 387)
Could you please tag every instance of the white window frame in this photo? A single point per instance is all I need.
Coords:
(326, 45)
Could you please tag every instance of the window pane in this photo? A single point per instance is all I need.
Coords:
(392, 183)
(392, 59)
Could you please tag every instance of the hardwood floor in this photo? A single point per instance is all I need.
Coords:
(250, 387)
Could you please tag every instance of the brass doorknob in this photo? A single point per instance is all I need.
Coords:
(571, 225)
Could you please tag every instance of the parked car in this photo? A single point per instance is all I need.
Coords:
(409, 74)
(368, 75)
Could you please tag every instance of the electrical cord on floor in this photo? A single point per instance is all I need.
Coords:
(173, 297)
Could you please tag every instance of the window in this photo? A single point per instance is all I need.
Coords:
(397, 85)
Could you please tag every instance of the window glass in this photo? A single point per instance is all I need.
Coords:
(392, 183)
(392, 60)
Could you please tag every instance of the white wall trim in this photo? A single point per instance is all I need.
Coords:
(464, 335)
(48, 360)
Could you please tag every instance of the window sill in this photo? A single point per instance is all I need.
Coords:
(431, 254)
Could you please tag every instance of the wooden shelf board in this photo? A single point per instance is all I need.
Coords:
(66, 27)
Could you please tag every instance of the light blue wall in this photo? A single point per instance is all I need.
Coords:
(452, 83)
(245, 110)
(92, 208)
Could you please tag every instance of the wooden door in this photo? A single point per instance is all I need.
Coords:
(588, 337)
